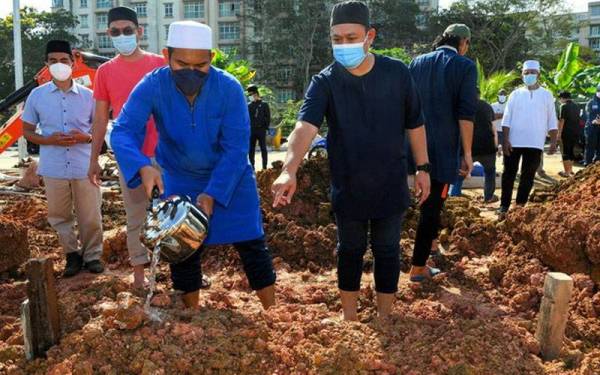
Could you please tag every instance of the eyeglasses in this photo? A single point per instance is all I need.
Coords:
(125, 31)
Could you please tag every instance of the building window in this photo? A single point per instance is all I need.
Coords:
(103, 3)
(193, 9)
(229, 8)
(420, 20)
(285, 74)
(283, 95)
(595, 30)
(84, 40)
(83, 21)
(168, 10)
(595, 10)
(101, 20)
(104, 41)
(167, 32)
(141, 9)
(595, 44)
(230, 49)
(57, 3)
(83, 3)
(145, 34)
(229, 30)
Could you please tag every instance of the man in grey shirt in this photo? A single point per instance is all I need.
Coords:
(63, 111)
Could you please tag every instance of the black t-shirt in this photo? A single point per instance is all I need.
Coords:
(367, 119)
(483, 135)
(260, 115)
(570, 113)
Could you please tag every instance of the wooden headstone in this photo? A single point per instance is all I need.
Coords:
(554, 312)
(39, 313)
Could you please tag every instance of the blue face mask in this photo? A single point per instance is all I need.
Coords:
(189, 81)
(530, 79)
(350, 55)
(125, 44)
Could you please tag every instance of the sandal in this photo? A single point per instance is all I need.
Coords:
(420, 278)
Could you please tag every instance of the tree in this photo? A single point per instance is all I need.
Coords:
(395, 21)
(490, 86)
(291, 40)
(37, 28)
(506, 32)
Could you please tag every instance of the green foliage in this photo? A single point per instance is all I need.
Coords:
(397, 53)
(288, 115)
(37, 28)
(240, 69)
(563, 76)
(491, 85)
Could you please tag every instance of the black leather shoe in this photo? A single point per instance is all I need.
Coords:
(74, 263)
(94, 266)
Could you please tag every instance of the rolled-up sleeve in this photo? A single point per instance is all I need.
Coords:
(233, 141)
(315, 103)
(129, 131)
(467, 100)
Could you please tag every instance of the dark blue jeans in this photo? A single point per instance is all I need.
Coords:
(353, 238)
(489, 171)
(258, 266)
(592, 144)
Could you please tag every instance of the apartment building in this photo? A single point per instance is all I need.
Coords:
(223, 16)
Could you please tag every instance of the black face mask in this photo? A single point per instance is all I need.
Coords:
(189, 81)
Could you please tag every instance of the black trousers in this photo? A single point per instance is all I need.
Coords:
(255, 257)
(531, 161)
(259, 135)
(429, 222)
(353, 237)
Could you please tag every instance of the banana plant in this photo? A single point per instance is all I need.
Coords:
(240, 69)
(564, 76)
(489, 86)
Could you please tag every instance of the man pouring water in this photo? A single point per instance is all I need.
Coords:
(203, 126)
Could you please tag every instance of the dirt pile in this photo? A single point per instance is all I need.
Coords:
(564, 232)
(28, 211)
(14, 246)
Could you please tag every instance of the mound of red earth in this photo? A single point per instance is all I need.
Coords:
(564, 230)
(14, 246)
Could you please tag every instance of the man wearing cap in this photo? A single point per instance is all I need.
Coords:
(568, 130)
(114, 81)
(203, 126)
(260, 119)
(371, 105)
(63, 110)
(447, 83)
(529, 117)
(592, 130)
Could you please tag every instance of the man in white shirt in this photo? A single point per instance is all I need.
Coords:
(498, 108)
(529, 116)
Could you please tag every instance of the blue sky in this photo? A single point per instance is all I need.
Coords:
(6, 5)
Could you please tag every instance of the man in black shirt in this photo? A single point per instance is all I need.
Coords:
(484, 150)
(260, 119)
(371, 104)
(568, 129)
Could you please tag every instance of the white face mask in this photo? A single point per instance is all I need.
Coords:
(60, 71)
(598, 94)
(501, 98)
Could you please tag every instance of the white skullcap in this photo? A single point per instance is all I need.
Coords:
(531, 65)
(190, 35)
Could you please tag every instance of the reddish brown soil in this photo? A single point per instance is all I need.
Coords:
(478, 317)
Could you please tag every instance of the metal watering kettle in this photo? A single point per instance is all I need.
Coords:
(176, 225)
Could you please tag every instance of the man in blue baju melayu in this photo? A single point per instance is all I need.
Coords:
(203, 125)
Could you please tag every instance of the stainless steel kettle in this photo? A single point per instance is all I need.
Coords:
(176, 225)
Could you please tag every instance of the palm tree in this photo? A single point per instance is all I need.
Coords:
(490, 86)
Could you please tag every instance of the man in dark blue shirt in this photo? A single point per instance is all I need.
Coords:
(592, 129)
(447, 84)
(370, 104)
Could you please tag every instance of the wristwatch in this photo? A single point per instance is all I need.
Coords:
(424, 168)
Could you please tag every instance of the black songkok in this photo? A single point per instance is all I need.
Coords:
(122, 13)
(350, 12)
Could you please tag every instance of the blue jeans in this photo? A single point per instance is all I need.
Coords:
(489, 171)
(592, 144)
(352, 244)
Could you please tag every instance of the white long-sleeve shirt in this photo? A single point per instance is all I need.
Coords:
(530, 115)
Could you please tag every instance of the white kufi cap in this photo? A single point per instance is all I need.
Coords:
(190, 35)
(531, 65)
